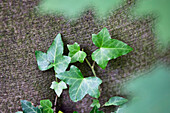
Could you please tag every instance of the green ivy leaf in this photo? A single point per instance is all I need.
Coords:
(43, 63)
(80, 86)
(65, 7)
(108, 48)
(75, 53)
(46, 105)
(54, 57)
(95, 103)
(27, 107)
(149, 93)
(39, 109)
(116, 101)
(75, 112)
(58, 87)
(95, 110)
(121, 109)
(161, 9)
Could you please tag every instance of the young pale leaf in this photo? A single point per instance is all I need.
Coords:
(117, 101)
(27, 107)
(75, 53)
(58, 87)
(54, 57)
(95, 110)
(108, 48)
(80, 86)
(95, 103)
(46, 105)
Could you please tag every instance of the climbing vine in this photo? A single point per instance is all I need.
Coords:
(79, 86)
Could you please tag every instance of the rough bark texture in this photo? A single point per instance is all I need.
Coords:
(23, 31)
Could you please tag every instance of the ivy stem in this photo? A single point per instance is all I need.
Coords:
(56, 79)
(55, 102)
(91, 66)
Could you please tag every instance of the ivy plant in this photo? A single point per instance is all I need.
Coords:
(79, 86)
(113, 101)
(44, 107)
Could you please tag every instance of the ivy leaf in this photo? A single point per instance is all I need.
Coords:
(46, 105)
(95, 103)
(43, 63)
(121, 109)
(151, 90)
(75, 53)
(75, 112)
(95, 110)
(65, 7)
(27, 107)
(19, 112)
(116, 101)
(39, 109)
(58, 87)
(108, 48)
(56, 49)
(161, 9)
(54, 57)
(80, 86)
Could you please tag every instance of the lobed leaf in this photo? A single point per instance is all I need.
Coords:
(61, 63)
(56, 49)
(80, 86)
(58, 87)
(43, 63)
(95, 110)
(27, 107)
(54, 57)
(95, 103)
(116, 101)
(75, 53)
(46, 105)
(75, 112)
(108, 48)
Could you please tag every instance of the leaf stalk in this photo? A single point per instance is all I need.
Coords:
(55, 103)
(91, 66)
